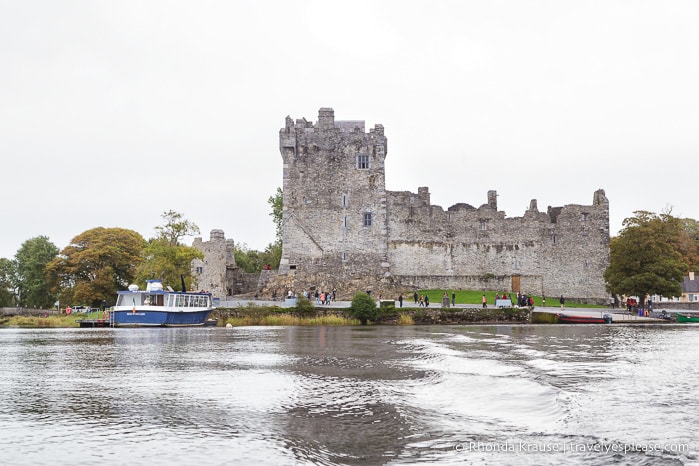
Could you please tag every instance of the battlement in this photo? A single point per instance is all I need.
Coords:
(341, 223)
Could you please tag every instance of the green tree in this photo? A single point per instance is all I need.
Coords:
(95, 265)
(277, 204)
(168, 263)
(175, 228)
(650, 256)
(7, 283)
(30, 261)
(273, 252)
(691, 226)
(165, 257)
(246, 259)
(364, 308)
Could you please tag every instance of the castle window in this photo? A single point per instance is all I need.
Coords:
(585, 216)
(484, 225)
(553, 239)
(344, 256)
(344, 200)
(292, 267)
(379, 149)
(363, 161)
(367, 219)
(344, 221)
(200, 270)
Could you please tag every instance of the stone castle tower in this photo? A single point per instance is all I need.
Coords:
(342, 228)
(214, 272)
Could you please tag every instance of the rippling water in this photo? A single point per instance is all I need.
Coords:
(521, 395)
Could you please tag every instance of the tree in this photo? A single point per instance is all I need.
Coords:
(650, 256)
(277, 204)
(169, 263)
(7, 282)
(175, 228)
(165, 257)
(95, 265)
(246, 259)
(30, 262)
(364, 308)
(691, 226)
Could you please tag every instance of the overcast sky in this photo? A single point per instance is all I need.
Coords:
(112, 113)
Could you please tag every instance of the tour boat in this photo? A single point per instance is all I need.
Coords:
(687, 318)
(156, 307)
(572, 319)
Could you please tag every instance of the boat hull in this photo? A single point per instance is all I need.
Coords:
(685, 318)
(153, 318)
(570, 319)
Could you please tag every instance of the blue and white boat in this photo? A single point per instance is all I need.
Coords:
(156, 307)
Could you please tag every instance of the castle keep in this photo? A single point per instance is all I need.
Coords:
(342, 228)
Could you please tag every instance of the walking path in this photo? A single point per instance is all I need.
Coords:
(618, 315)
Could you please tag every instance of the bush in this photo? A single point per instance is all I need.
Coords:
(364, 308)
(304, 307)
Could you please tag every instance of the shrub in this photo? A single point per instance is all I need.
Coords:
(364, 308)
(304, 307)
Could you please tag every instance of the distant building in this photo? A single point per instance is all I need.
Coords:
(216, 271)
(342, 228)
(690, 289)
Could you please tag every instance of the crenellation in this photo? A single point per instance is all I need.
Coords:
(341, 225)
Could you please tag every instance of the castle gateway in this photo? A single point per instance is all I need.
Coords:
(342, 228)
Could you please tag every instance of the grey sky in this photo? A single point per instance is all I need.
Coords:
(112, 113)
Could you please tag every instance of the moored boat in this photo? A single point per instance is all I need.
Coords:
(156, 307)
(573, 319)
(687, 318)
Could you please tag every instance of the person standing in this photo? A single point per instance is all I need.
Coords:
(485, 302)
(543, 300)
(415, 297)
(453, 298)
(563, 302)
(400, 300)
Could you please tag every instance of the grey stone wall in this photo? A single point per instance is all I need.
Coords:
(334, 177)
(213, 273)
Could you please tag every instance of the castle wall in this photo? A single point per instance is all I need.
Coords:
(412, 243)
(333, 179)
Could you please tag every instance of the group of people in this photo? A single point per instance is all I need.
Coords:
(321, 297)
(422, 301)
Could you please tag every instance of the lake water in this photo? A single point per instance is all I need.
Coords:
(518, 395)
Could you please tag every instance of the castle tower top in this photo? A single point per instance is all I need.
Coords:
(326, 118)
(217, 235)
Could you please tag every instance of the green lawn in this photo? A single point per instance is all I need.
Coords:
(475, 297)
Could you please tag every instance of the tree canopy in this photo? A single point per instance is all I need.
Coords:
(250, 260)
(175, 228)
(30, 261)
(95, 265)
(167, 262)
(277, 204)
(165, 257)
(364, 308)
(7, 282)
(651, 256)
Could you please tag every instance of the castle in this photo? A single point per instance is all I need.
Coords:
(342, 228)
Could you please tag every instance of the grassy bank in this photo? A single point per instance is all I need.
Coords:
(474, 297)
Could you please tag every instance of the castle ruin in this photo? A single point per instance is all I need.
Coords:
(342, 228)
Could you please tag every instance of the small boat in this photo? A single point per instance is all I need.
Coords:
(687, 318)
(572, 319)
(155, 307)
